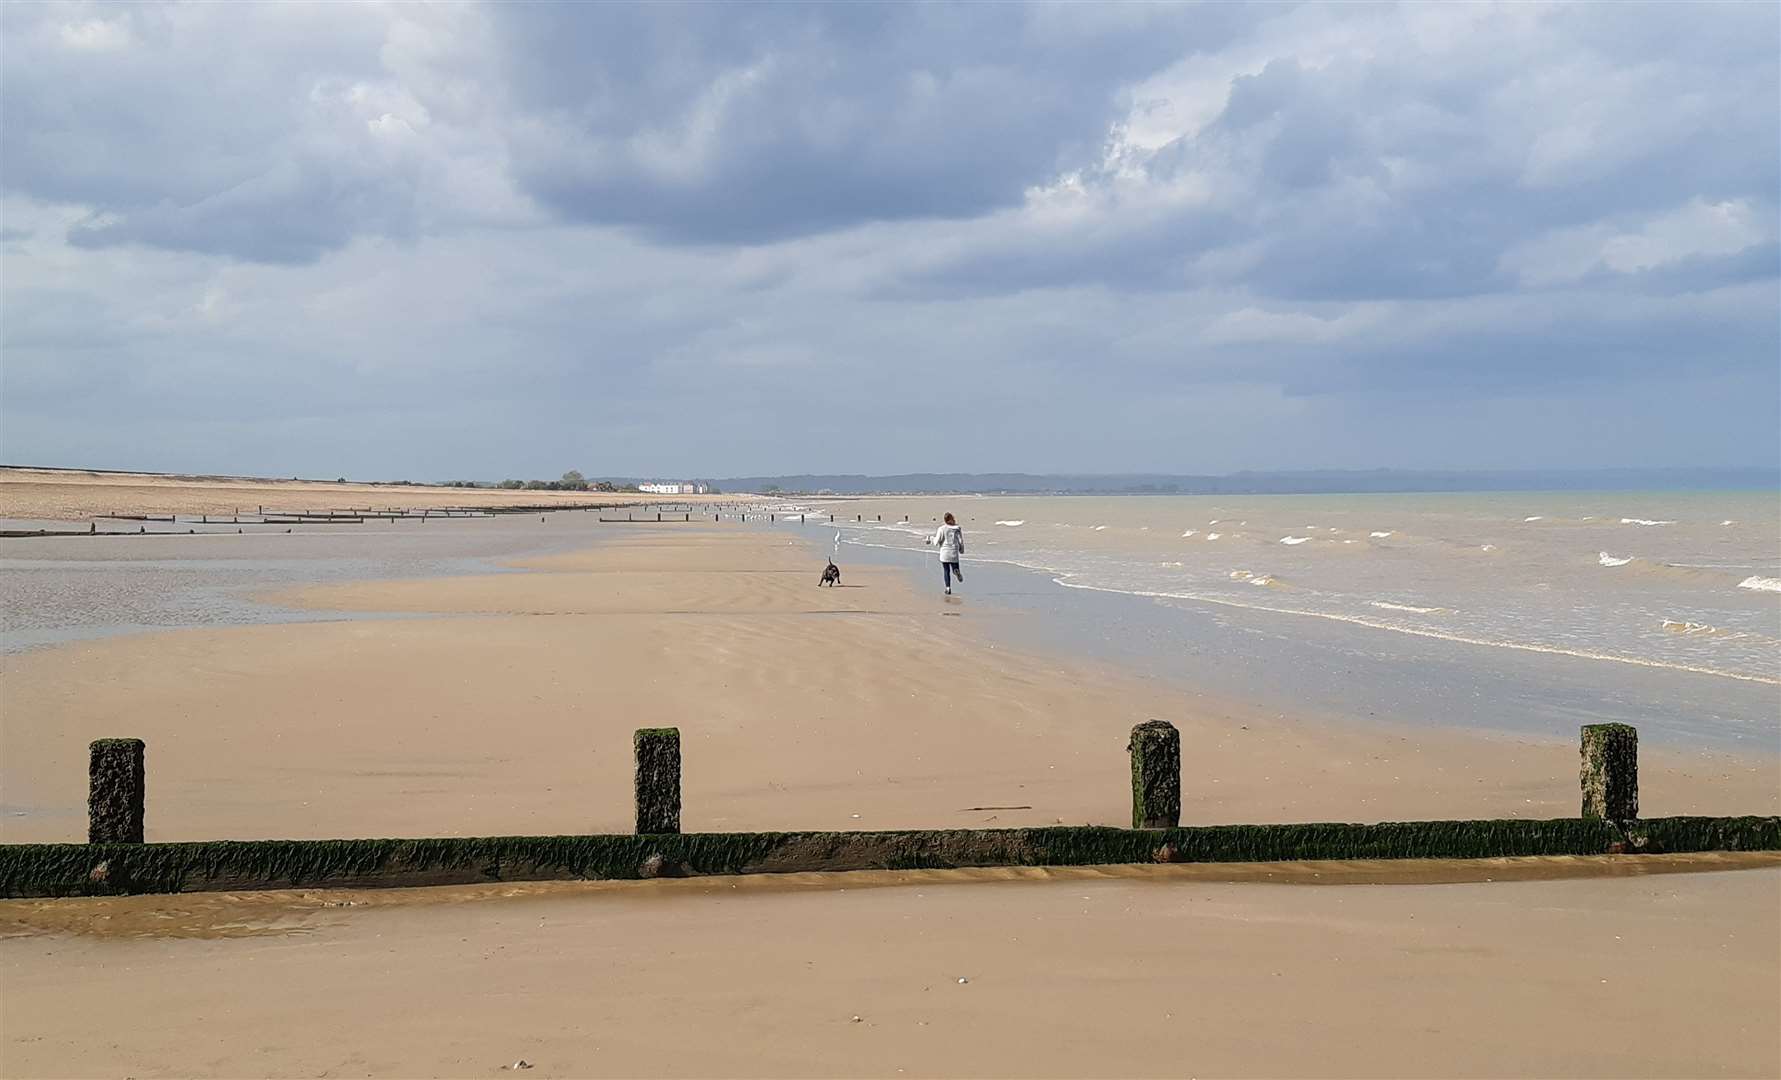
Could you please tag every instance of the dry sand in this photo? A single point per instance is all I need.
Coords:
(71, 495)
(870, 706)
(1065, 974)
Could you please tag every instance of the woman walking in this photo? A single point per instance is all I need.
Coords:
(950, 539)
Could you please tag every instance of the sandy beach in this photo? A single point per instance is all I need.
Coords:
(509, 711)
(1061, 974)
(503, 703)
(73, 495)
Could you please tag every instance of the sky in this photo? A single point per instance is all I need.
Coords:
(481, 241)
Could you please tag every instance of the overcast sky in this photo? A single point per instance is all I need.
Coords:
(508, 240)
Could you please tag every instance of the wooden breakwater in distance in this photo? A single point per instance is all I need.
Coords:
(117, 861)
(288, 518)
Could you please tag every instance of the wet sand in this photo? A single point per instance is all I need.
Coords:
(950, 974)
(868, 706)
(507, 707)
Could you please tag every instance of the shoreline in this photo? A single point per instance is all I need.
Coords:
(1411, 680)
(868, 706)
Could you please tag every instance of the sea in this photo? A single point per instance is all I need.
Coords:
(1521, 611)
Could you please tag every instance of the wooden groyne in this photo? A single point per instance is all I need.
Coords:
(116, 861)
(262, 516)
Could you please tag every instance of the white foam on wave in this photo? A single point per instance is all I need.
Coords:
(1536, 517)
(1012, 524)
(1263, 580)
(1100, 528)
(1293, 540)
(1487, 547)
(1213, 536)
(1728, 521)
(1463, 639)
(1389, 606)
(1190, 532)
(1691, 629)
(1761, 584)
(1606, 559)
(1380, 535)
(1644, 521)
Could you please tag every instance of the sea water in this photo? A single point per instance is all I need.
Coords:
(1663, 608)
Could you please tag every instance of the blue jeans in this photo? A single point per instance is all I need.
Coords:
(950, 570)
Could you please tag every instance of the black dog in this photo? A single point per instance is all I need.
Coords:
(831, 576)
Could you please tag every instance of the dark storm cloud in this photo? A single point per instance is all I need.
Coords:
(756, 122)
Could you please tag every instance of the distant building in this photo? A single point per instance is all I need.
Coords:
(675, 487)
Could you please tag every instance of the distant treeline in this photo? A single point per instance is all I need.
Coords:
(1270, 483)
(571, 481)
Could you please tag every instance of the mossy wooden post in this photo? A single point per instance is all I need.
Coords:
(658, 780)
(1611, 772)
(115, 790)
(1156, 775)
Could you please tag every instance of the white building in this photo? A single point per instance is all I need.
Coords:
(671, 487)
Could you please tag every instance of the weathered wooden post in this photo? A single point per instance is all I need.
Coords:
(658, 780)
(1610, 772)
(1156, 775)
(115, 790)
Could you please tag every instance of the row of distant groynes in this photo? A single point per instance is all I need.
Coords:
(261, 516)
(116, 860)
(264, 516)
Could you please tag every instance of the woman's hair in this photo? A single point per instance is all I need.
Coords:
(949, 520)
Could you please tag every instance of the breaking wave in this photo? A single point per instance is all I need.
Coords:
(1380, 535)
(1263, 580)
(1761, 584)
(1644, 521)
(1291, 540)
(1389, 606)
(1012, 524)
(1613, 560)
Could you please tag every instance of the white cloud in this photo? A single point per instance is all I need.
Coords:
(96, 35)
(1696, 229)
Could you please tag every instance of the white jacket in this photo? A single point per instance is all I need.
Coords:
(951, 541)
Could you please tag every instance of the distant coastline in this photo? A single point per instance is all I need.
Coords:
(1308, 482)
(1301, 482)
